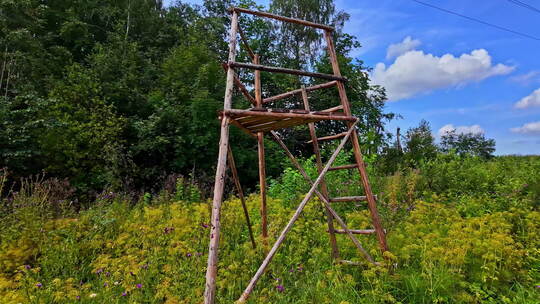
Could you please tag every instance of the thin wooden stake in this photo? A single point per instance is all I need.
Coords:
(324, 188)
(211, 270)
(234, 172)
(289, 225)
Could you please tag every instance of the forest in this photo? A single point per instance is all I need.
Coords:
(109, 137)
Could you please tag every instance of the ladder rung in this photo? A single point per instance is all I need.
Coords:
(351, 166)
(333, 109)
(340, 135)
(349, 199)
(347, 262)
(354, 231)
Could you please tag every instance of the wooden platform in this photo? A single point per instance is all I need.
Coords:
(264, 120)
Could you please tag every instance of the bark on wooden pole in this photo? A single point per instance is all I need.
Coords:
(324, 188)
(282, 18)
(238, 186)
(356, 146)
(211, 270)
(260, 150)
(299, 91)
(289, 225)
(284, 70)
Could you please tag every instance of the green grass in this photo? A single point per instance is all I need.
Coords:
(459, 231)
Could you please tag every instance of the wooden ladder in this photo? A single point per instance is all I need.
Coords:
(259, 121)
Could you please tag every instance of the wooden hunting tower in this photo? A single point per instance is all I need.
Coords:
(258, 121)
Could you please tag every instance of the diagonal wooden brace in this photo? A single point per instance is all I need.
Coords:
(325, 201)
(296, 215)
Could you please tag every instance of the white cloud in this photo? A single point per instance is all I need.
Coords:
(533, 100)
(527, 78)
(416, 73)
(397, 49)
(474, 129)
(528, 128)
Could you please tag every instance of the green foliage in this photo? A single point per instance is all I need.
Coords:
(419, 145)
(122, 94)
(468, 143)
(440, 251)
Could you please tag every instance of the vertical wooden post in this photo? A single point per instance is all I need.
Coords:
(211, 270)
(356, 146)
(324, 188)
(260, 149)
(236, 179)
(299, 209)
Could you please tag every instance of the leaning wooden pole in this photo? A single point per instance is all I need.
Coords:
(211, 270)
(372, 206)
(238, 186)
(325, 201)
(262, 163)
(281, 238)
(324, 188)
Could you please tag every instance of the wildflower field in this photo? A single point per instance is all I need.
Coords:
(460, 230)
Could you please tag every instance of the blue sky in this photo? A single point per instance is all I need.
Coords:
(453, 72)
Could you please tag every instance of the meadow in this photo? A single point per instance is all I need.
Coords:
(460, 230)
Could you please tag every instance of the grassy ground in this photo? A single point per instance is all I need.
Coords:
(460, 231)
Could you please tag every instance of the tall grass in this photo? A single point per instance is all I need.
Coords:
(459, 230)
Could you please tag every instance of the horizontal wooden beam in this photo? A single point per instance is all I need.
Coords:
(359, 198)
(333, 109)
(347, 262)
(344, 167)
(331, 116)
(272, 69)
(299, 91)
(282, 18)
(330, 137)
(355, 231)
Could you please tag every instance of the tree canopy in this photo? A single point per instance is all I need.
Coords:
(124, 93)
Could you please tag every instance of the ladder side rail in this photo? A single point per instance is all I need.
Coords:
(381, 237)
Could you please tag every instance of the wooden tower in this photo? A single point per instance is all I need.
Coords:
(259, 121)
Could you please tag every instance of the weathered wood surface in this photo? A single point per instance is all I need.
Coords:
(211, 270)
(262, 163)
(333, 109)
(299, 91)
(272, 69)
(282, 18)
(241, 86)
(344, 167)
(321, 116)
(359, 198)
(238, 186)
(356, 231)
(330, 137)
